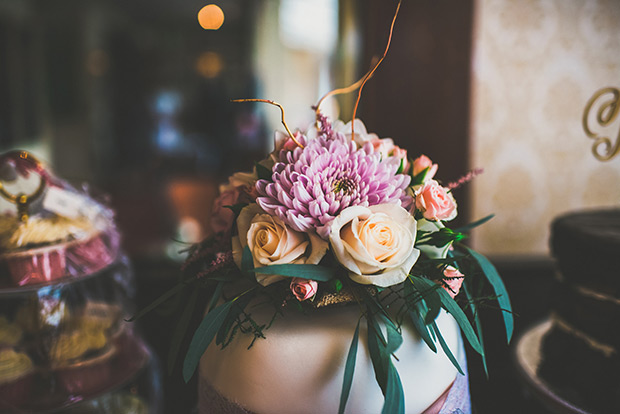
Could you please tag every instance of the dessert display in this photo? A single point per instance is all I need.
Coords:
(580, 352)
(64, 344)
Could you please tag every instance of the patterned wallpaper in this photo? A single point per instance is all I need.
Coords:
(536, 63)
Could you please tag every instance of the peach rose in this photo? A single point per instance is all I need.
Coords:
(452, 281)
(303, 289)
(423, 162)
(272, 242)
(435, 202)
(375, 243)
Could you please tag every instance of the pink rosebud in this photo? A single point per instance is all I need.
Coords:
(435, 202)
(452, 281)
(222, 217)
(303, 289)
(383, 146)
(401, 154)
(290, 144)
(423, 162)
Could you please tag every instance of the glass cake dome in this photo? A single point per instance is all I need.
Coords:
(65, 292)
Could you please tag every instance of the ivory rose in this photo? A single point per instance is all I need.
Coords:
(422, 163)
(272, 242)
(435, 202)
(375, 243)
(303, 289)
(452, 280)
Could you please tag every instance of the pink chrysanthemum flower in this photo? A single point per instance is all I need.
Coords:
(312, 185)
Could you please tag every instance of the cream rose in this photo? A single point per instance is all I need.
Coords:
(375, 243)
(272, 242)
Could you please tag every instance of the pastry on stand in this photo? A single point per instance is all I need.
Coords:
(64, 344)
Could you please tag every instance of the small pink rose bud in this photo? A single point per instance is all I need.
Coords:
(452, 281)
(423, 162)
(303, 289)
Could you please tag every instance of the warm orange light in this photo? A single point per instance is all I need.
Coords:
(209, 64)
(211, 17)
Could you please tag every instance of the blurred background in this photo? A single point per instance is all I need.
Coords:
(133, 97)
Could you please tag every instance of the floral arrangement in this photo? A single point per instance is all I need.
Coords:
(337, 215)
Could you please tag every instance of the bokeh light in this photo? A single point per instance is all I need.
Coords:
(209, 64)
(211, 17)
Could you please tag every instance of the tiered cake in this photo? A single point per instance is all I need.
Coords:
(64, 346)
(581, 357)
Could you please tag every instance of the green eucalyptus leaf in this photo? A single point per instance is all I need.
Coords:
(181, 328)
(235, 310)
(217, 293)
(500, 290)
(477, 323)
(349, 369)
(429, 291)
(421, 328)
(378, 353)
(455, 310)
(446, 348)
(247, 263)
(395, 396)
(476, 223)
(176, 289)
(305, 271)
(203, 337)
(394, 338)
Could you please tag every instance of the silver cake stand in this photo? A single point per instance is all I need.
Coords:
(528, 357)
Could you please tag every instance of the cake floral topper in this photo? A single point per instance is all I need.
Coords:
(608, 102)
(336, 215)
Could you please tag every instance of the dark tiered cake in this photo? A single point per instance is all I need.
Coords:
(581, 357)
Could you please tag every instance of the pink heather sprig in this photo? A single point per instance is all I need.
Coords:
(222, 259)
(465, 179)
(325, 127)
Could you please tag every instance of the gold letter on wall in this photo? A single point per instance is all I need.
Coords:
(607, 100)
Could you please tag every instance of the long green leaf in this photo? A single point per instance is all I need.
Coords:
(217, 293)
(429, 291)
(394, 338)
(421, 327)
(477, 322)
(180, 329)
(446, 348)
(305, 271)
(349, 369)
(236, 309)
(203, 337)
(378, 353)
(500, 290)
(247, 264)
(395, 396)
(476, 223)
(455, 310)
(176, 289)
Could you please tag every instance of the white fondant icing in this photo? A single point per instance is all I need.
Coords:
(299, 367)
